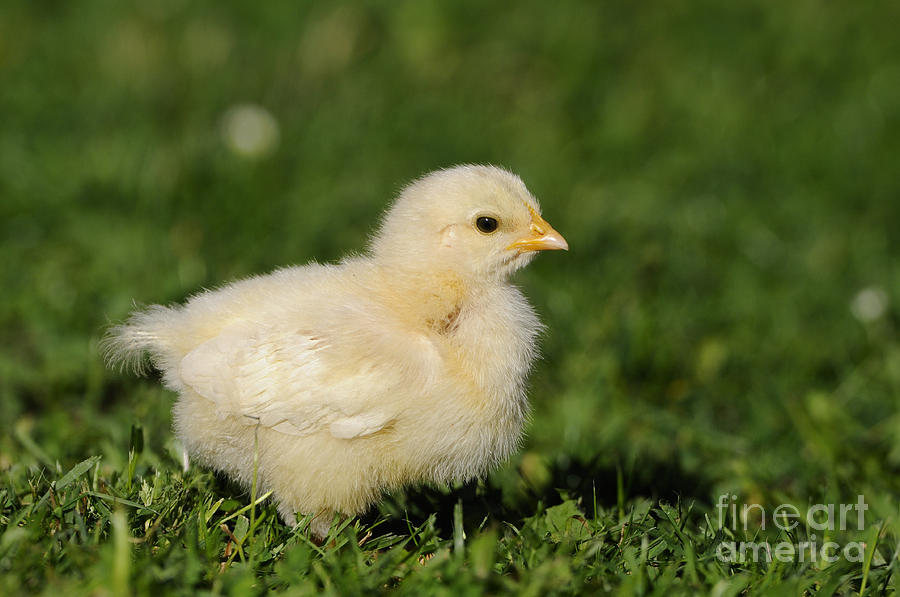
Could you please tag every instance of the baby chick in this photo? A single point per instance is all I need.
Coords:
(404, 365)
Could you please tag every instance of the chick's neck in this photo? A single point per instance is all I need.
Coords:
(430, 300)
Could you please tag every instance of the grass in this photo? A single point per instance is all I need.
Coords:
(725, 324)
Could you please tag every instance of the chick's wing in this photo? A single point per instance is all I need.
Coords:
(298, 382)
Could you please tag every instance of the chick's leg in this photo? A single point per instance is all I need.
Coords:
(321, 524)
(318, 526)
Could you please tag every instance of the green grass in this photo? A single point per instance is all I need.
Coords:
(725, 323)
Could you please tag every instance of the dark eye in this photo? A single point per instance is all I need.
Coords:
(486, 224)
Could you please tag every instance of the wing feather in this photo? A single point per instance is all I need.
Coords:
(284, 380)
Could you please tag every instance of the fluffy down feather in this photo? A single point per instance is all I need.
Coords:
(407, 364)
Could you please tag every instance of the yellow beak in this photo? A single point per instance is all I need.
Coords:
(542, 238)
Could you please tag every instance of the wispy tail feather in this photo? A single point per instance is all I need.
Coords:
(146, 333)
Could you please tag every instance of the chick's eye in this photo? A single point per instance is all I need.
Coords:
(486, 224)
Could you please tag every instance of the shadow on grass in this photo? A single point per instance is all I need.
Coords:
(486, 504)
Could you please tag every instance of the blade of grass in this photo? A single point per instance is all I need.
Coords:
(872, 543)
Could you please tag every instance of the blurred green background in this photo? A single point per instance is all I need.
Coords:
(725, 173)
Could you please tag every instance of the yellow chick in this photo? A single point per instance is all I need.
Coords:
(404, 365)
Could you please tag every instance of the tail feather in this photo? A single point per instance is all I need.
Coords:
(140, 341)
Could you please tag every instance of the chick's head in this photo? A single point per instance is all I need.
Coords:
(479, 222)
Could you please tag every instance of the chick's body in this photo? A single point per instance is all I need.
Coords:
(404, 365)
